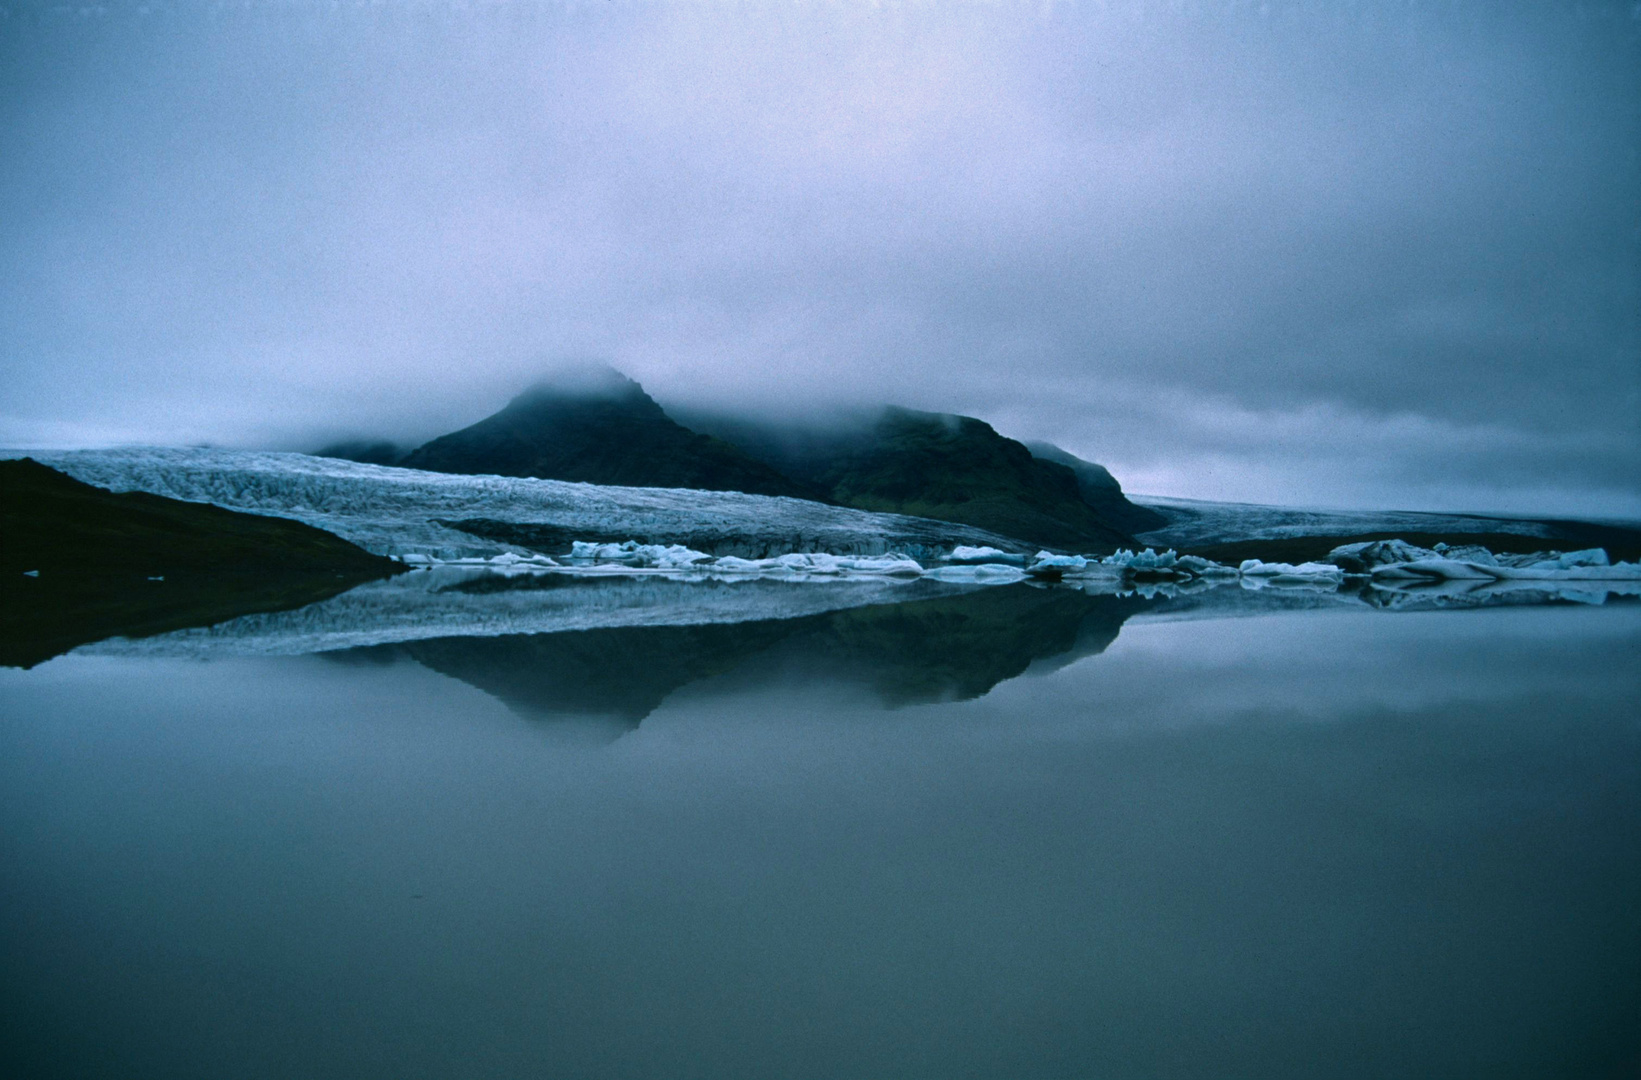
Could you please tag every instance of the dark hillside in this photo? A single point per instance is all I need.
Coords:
(80, 563)
(952, 468)
(1101, 490)
(605, 430)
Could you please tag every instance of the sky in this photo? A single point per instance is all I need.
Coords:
(1316, 253)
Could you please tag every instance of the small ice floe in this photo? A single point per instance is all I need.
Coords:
(978, 574)
(31, 573)
(975, 556)
(156, 577)
(1065, 564)
(819, 564)
(633, 554)
(1258, 574)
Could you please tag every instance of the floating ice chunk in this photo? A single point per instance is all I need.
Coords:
(632, 553)
(1141, 560)
(1278, 571)
(731, 564)
(1365, 557)
(979, 574)
(1470, 553)
(1047, 560)
(31, 573)
(416, 558)
(976, 555)
(1438, 568)
(892, 563)
(1202, 567)
(1572, 559)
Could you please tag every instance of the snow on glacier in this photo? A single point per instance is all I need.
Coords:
(393, 511)
(1197, 523)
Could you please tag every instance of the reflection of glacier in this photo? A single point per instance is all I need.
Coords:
(402, 511)
(943, 648)
(474, 602)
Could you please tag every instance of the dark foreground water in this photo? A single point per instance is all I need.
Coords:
(1339, 843)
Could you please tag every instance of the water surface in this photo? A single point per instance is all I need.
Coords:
(1017, 833)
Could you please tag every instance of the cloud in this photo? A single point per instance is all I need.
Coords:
(1196, 240)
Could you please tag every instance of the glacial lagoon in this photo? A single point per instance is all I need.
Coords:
(934, 832)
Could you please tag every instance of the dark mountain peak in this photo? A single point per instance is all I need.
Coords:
(594, 425)
(586, 386)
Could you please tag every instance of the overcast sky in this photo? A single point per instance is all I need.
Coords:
(1349, 253)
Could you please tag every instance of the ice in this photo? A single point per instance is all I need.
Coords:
(443, 516)
(1282, 573)
(1437, 567)
(1390, 560)
(1047, 560)
(978, 574)
(1195, 523)
(632, 553)
(1201, 567)
(962, 555)
(1142, 560)
(468, 601)
(1590, 557)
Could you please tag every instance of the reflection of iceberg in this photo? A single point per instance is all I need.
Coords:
(946, 648)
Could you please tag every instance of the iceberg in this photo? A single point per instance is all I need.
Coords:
(1388, 560)
(1282, 574)
(963, 555)
(1047, 560)
(978, 574)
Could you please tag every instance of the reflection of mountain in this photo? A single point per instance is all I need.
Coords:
(80, 563)
(950, 648)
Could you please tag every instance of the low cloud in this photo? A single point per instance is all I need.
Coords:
(1236, 251)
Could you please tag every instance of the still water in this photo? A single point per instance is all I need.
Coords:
(992, 835)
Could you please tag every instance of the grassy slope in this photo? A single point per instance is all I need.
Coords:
(96, 552)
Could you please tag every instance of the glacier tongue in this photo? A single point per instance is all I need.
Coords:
(402, 512)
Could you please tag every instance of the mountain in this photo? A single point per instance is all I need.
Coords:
(81, 563)
(364, 451)
(600, 428)
(1101, 490)
(936, 465)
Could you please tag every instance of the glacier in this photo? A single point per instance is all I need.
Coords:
(486, 524)
(1198, 523)
(443, 516)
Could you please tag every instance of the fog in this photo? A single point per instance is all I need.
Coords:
(1346, 254)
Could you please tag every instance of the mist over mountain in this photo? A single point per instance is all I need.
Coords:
(597, 426)
(939, 465)
(1100, 490)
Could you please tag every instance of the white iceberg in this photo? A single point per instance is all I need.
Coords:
(962, 555)
(1047, 560)
(1281, 573)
